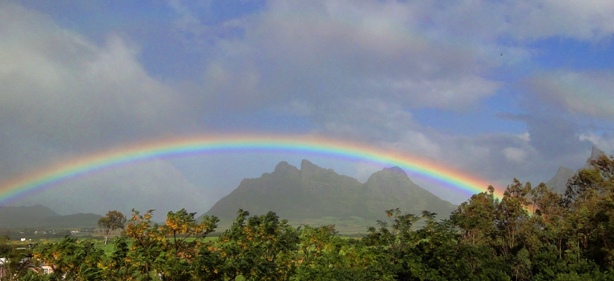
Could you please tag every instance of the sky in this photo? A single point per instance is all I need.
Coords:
(494, 89)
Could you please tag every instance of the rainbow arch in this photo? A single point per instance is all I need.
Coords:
(176, 147)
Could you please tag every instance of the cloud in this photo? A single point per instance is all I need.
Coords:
(604, 142)
(524, 20)
(592, 20)
(553, 136)
(65, 93)
(327, 52)
(360, 70)
(64, 96)
(586, 93)
(369, 119)
(567, 112)
(515, 154)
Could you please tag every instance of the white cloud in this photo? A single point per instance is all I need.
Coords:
(61, 95)
(58, 85)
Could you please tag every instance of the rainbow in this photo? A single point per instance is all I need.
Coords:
(185, 146)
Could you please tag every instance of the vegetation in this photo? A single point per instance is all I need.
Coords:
(112, 221)
(531, 233)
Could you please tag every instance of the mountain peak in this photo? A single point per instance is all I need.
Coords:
(284, 167)
(315, 193)
(395, 170)
(306, 165)
(596, 153)
(310, 170)
(558, 183)
(393, 173)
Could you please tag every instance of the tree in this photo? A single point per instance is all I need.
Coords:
(112, 221)
(145, 247)
(397, 240)
(590, 200)
(546, 241)
(15, 262)
(511, 217)
(71, 259)
(183, 239)
(476, 218)
(258, 248)
(117, 266)
(176, 250)
(323, 255)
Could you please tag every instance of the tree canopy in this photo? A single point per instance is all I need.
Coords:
(111, 221)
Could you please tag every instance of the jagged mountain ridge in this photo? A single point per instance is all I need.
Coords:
(312, 192)
(558, 183)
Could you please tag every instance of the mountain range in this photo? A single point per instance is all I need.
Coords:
(312, 192)
(39, 216)
(309, 194)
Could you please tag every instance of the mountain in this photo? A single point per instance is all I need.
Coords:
(595, 154)
(23, 216)
(392, 188)
(71, 221)
(312, 192)
(39, 216)
(558, 183)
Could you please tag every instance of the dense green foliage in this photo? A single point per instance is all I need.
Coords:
(531, 233)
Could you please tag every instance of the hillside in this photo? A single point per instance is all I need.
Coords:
(314, 193)
(39, 216)
(558, 183)
(72, 221)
